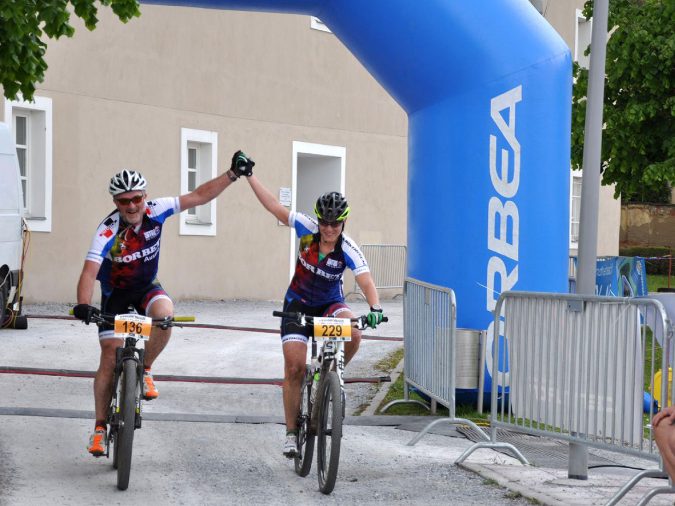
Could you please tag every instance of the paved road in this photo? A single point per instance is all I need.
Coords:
(235, 456)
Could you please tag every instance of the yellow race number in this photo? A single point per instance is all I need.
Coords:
(337, 329)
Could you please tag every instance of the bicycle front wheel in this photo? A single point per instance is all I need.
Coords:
(303, 460)
(330, 432)
(125, 430)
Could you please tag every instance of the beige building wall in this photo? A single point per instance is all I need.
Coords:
(121, 95)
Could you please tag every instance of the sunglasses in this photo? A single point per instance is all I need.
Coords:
(332, 224)
(126, 201)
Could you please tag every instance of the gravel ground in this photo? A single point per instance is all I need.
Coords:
(43, 458)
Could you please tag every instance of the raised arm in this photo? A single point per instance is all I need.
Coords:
(268, 200)
(205, 192)
(241, 166)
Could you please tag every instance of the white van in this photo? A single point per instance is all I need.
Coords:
(11, 232)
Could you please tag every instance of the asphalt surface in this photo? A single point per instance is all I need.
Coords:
(205, 442)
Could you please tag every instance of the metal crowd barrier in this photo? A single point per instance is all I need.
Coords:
(387, 264)
(430, 335)
(577, 367)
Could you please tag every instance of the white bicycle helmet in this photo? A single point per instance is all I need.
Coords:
(127, 181)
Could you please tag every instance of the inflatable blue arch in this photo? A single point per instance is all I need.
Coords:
(487, 89)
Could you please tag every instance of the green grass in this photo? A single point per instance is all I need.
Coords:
(656, 281)
(389, 363)
(396, 392)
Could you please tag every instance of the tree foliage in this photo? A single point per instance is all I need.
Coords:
(638, 140)
(24, 25)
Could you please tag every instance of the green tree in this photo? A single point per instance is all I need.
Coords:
(638, 141)
(23, 27)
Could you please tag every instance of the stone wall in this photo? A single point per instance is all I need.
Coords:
(648, 225)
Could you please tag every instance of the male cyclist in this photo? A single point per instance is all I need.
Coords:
(124, 257)
(316, 288)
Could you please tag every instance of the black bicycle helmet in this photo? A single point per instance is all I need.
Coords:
(331, 207)
(126, 181)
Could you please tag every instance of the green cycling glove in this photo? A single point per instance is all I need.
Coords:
(375, 316)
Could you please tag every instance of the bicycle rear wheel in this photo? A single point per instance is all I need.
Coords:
(303, 461)
(125, 431)
(330, 432)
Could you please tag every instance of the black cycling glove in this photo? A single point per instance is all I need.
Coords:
(242, 165)
(84, 312)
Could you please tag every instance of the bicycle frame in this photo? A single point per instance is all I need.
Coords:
(124, 412)
(129, 351)
(331, 356)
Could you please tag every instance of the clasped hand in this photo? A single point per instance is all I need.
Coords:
(242, 165)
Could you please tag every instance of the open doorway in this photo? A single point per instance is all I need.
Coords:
(317, 168)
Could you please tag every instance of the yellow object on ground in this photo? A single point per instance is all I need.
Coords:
(657, 386)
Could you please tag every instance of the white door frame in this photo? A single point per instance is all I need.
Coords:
(314, 149)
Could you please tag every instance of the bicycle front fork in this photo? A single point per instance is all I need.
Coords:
(123, 354)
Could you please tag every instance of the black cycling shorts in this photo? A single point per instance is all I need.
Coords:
(119, 301)
(291, 331)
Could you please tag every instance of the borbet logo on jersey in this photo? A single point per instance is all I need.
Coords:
(306, 265)
(145, 254)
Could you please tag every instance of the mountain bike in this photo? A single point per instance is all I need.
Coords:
(322, 408)
(124, 414)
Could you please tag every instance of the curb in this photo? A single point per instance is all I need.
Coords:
(524, 490)
(383, 391)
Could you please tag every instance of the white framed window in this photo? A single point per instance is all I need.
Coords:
(582, 38)
(193, 151)
(31, 125)
(316, 24)
(199, 161)
(21, 129)
(575, 207)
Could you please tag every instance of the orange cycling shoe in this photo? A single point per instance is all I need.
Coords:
(98, 441)
(149, 390)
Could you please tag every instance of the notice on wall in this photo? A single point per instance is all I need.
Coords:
(285, 197)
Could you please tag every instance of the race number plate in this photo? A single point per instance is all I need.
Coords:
(133, 325)
(337, 329)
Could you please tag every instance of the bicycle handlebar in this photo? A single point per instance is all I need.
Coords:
(163, 323)
(359, 320)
